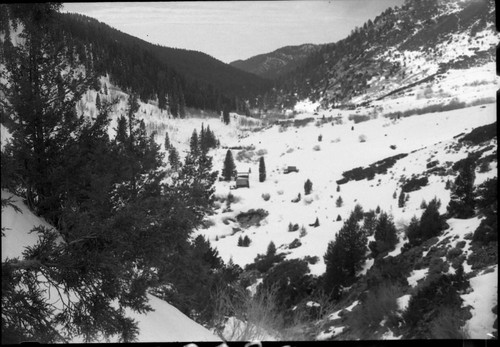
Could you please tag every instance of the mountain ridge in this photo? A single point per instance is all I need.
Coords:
(278, 62)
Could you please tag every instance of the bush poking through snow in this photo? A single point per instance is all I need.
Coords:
(339, 202)
(379, 304)
(303, 231)
(251, 318)
(266, 196)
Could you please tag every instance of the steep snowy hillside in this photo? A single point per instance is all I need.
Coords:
(164, 324)
(401, 49)
(418, 143)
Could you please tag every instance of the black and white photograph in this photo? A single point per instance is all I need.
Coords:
(255, 172)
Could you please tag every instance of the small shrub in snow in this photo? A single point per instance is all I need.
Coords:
(266, 196)
(423, 205)
(315, 224)
(339, 202)
(362, 138)
(295, 244)
(245, 156)
(317, 148)
(279, 192)
(320, 138)
(262, 152)
(308, 187)
(297, 199)
(293, 227)
(339, 218)
(303, 232)
(379, 304)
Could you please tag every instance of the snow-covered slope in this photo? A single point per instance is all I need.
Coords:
(164, 324)
(341, 149)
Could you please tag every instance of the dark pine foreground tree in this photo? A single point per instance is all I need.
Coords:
(120, 229)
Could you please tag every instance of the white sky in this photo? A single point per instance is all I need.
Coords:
(231, 30)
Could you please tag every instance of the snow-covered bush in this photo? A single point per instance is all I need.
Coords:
(266, 196)
(317, 148)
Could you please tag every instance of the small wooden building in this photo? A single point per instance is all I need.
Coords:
(290, 169)
(243, 179)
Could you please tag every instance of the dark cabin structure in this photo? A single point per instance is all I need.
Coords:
(289, 169)
(243, 180)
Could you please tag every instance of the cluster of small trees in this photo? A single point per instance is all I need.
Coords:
(244, 241)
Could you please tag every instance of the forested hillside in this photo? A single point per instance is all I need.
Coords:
(174, 77)
(277, 63)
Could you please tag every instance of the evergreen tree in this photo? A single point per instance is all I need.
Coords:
(271, 249)
(308, 187)
(173, 157)
(105, 89)
(339, 218)
(385, 235)
(338, 188)
(194, 143)
(121, 131)
(98, 102)
(413, 232)
(462, 203)
(225, 115)
(344, 256)
(401, 199)
(167, 142)
(38, 103)
(262, 170)
(431, 222)
(229, 166)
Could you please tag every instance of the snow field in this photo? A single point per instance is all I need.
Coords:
(427, 135)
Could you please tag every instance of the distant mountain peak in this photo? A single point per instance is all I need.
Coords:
(276, 63)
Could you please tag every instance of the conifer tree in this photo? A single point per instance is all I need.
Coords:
(462, 203)
(105, 89)
(401, 199)
(271, 249)
(98, 102)
(307, 187)
(431, 222)
(344, 256)
(167, 141)
(225, 115)
(229, 166)
(194, 143)
(385, 234)
(262, 170)
(121, 130)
